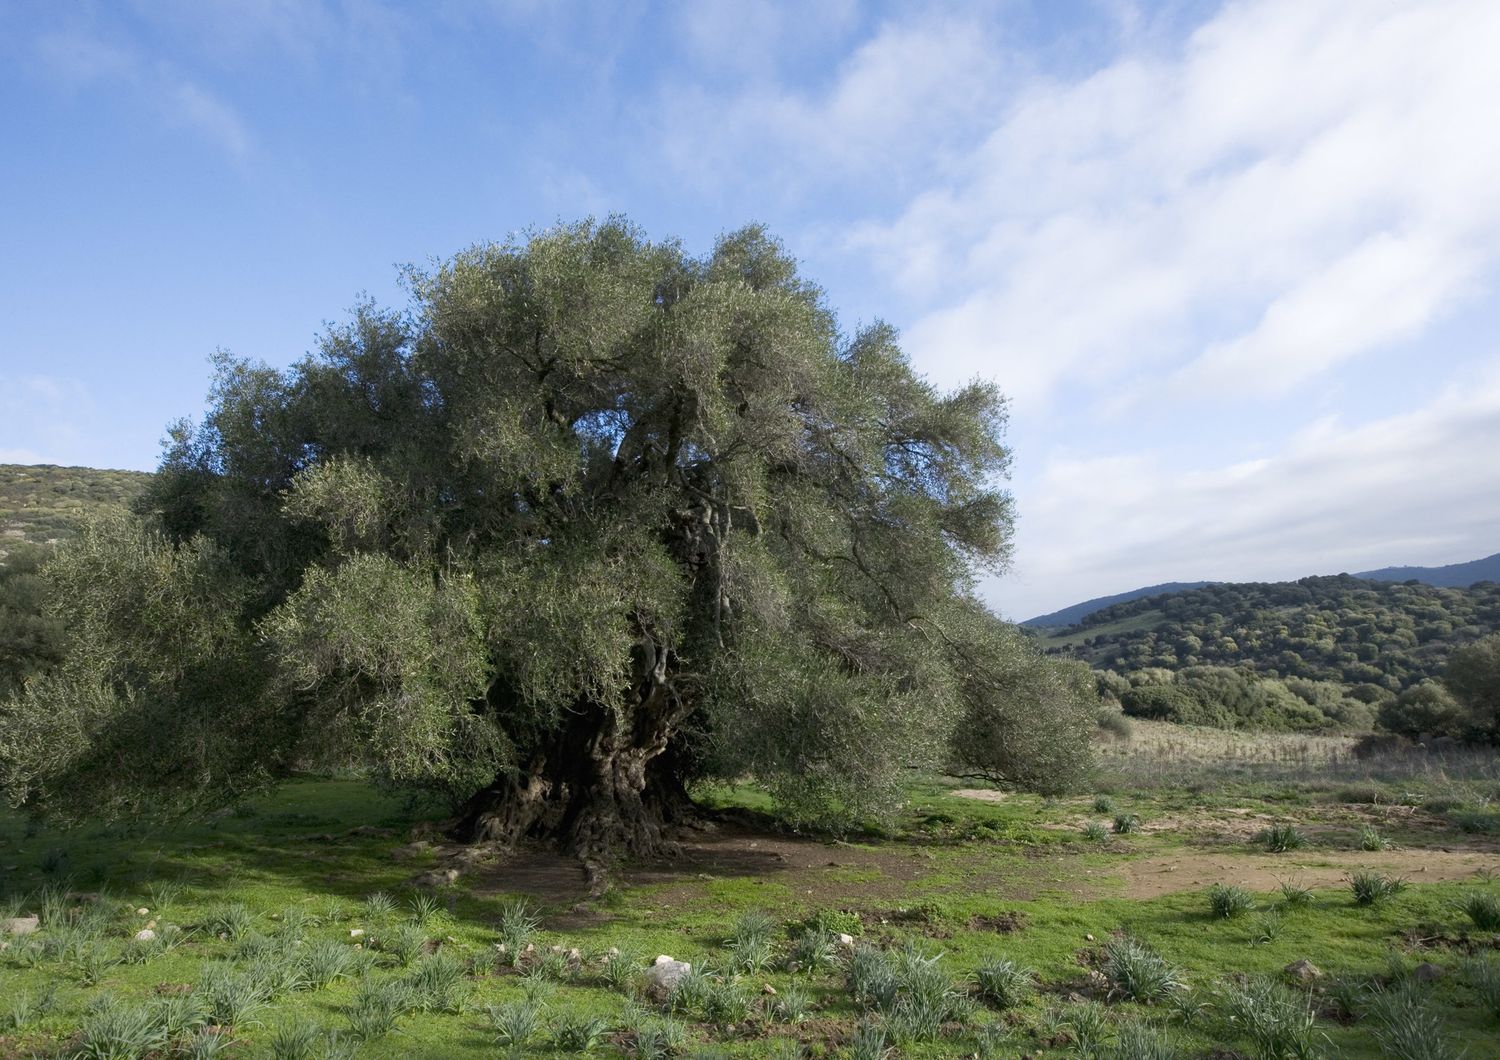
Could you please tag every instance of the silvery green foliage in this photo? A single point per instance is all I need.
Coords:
(589, 502)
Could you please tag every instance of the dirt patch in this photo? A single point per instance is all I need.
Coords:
(1001, 923)
(1150, 877)
(982, 794)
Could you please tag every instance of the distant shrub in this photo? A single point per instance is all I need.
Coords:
(1370, 839)
(1423, 711)
(1126, 823)
(1104, 804)
(1095, 832)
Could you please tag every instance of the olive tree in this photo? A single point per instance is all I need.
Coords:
(590, 519)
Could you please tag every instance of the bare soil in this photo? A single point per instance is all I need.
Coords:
(1150, 877)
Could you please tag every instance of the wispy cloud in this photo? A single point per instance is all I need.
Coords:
(81, 62)
(1418, 486)
(1301, 182)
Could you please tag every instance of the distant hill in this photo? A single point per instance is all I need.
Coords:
(43, 503)
(1339, 628)
(1455, 575)
(1071, 616)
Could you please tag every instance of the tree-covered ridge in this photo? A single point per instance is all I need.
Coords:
(1337, 628)
(42, 503)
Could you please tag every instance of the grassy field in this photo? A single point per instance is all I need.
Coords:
(1146, 918)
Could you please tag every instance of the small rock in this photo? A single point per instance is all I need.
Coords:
(575, 954)
(151, 924)
(614, 951)
(143, 911)
(793, 967)
(768, 990)
(530, 948)
(664, 975)
(1427, 972)
(145, 935)
(20, 925)
(1304, 971)
(846, 940)
(437, 878)
(355, 933)
(1088, 938)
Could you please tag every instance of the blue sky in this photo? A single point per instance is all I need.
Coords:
(1235, 264)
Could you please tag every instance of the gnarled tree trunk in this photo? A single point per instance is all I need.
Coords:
(603, 787)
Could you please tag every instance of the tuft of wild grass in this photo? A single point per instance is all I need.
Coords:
(233, 921)
(1137, 972)
(404, 943)
(378, 1007)
(1138, 1041)
(379, 906)
(727, 1003)
(1483, 908)
(1004, 983)
(1278, 1020)
(1226, 901)
(1090, 1026)
(1126, 824)
(208, 1044)
(324, 961)
(813, 950)
(657, 1039)
(517, 925)
(869, 1042)
(1407, 1028)
(619, 970)
(1370, 839)
(1104, 804)
(516, 1023)
(232, 996)
(1294, 895)
(116, 1030)
(1280, 838)
(438, 984)
(424, 906)
(1267, 928)
(1095, 832)
(1371, 888)
(791, 1005)
(295, 1040)
(577, 1033)
(1482, 975)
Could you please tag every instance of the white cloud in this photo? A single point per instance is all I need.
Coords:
(80, 61)
(1302, 182)
(1422, 486)
(49, 412)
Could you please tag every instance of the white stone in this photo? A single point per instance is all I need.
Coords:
(143, 911)
(145, 935)
(664, 975)
(846, 940)
(355, 933)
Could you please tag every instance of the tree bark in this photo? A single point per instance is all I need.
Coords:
(603, 787)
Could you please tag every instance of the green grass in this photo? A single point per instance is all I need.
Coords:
(971, 919)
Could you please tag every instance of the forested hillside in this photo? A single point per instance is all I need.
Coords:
(1336, 628)
(39, 506)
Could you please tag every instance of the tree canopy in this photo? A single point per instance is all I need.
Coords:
(588, 520)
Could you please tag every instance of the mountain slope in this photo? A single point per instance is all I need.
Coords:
(1336, 628)
(1071, 616)
(43, 503)
(1456, 575)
